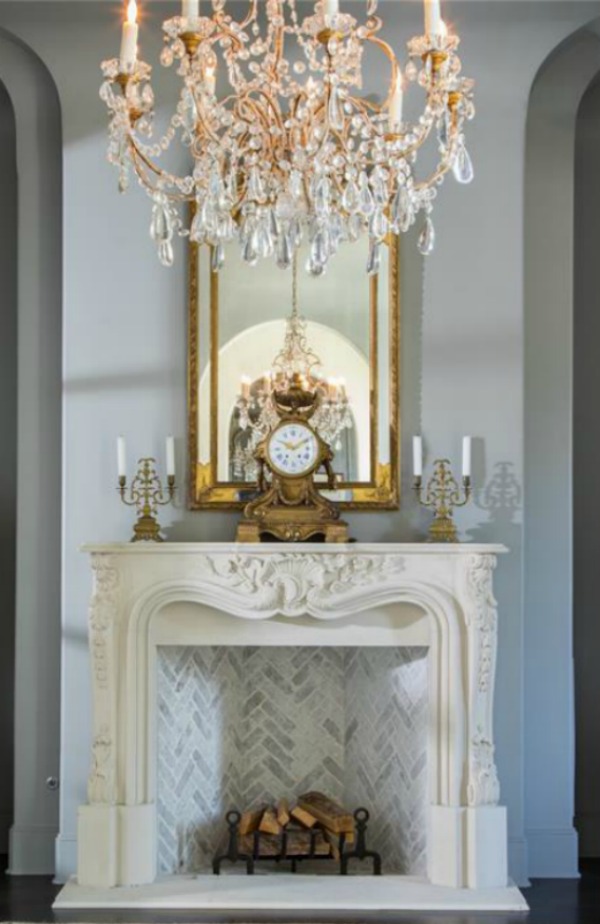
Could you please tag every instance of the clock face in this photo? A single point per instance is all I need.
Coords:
(293, 449)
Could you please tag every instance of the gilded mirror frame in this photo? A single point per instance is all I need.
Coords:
(382, 491)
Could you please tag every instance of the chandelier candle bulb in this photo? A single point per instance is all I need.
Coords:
(331, 8)
(170, 457)
(433, 18)
(417, 456)
(121, 457)
(245, 383)
(129, 39)
(467, 443)
(190, 9)
(396, 103)
(210, 80)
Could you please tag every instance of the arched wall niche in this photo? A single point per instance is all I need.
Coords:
(548, 402)
(38, 549)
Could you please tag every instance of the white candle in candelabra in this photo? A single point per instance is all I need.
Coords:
(417, 456)
(245, 383)
(467, 442)
(332, 388)
(129, 38)
(121, 457)
(396, 102)
(190, 9)
(342, 387)
(170, 456)
(433, 17)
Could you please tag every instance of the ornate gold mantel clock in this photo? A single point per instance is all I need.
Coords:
(290, 507)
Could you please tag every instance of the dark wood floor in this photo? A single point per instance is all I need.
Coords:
(552, 901)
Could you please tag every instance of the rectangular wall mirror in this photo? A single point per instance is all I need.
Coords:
(238, 322)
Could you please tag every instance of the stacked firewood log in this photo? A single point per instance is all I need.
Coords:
(312, 826)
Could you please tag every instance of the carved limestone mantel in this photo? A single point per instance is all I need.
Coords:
(146, 595)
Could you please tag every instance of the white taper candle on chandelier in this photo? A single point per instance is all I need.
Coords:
(170, 456)
(467, 442)
(396, 102)
(433, 17)
(417, 456)
(121, 457)
(210, 79)
(129, 38)
(190, 9)
(245, 383)
(331, 8)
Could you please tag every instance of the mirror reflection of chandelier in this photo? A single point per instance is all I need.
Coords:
(295, 364)
(285, 143)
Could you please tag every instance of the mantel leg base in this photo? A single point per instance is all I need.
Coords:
(116, 845)
(468, 847)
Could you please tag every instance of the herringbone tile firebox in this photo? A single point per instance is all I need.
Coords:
(239, 726)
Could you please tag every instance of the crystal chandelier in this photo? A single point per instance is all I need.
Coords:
(295, 366)
(288, 149)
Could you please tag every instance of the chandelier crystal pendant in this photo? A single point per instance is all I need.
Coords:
(284, 145)
(295, 366)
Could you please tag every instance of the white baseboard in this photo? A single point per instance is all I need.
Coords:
(588, 828)
(553, 853)
(65, 857)
(31, 850)
(518, 862)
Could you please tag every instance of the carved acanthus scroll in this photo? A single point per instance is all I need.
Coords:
(296, 583)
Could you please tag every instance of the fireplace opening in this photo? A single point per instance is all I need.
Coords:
(238, 726)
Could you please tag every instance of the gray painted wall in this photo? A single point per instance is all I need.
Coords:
(8, 454)
(463, 352)
(37, 650)
(586, 488)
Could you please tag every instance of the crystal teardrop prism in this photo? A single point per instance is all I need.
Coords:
(314, 268)
(462, 168)
(165, 253)
(217, 258)
(374, 261)
(426, 241)
(160, 226)
(365, 199)
(284, 252)
(402, 211)
(334, 110)
(350, 197)
(378, 225)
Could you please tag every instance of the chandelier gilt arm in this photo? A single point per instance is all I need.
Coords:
(288, 149)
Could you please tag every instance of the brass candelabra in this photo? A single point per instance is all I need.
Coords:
(147, 493)
(442, 494)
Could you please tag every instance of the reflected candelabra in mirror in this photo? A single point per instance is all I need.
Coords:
(240, 324)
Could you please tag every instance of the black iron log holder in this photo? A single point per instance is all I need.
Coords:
(233, 854)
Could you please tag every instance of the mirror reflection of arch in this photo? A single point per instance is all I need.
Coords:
(237, 328)
(251, 352)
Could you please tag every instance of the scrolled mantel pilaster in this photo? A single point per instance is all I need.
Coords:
(481, 616)
(103, 619)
